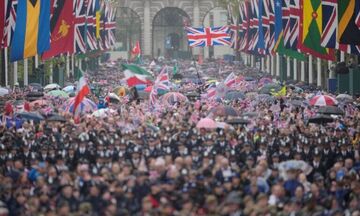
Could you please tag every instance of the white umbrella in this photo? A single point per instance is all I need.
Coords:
(69, 89)
(294, 165)
(4, 91)
(51, 86)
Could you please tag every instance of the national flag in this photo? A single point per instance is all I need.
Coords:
(32, 30)
(80, 26)
(2, 19)
(244, 32)
(82, 90)
(98, 16)
(282, 28)
(209, 36)
(261, 44)
(349, 22)
(292, 35)
(136, 50)
(110, 25)
(271, 31)
(10, 21)
(311, 30)
(230, 80)
(91, 25)
(234, 27)
(254, 26)
(162, 83)
(62, 29)
(330, 28)
(135, 75)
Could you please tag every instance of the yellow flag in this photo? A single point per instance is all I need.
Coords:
(280, 93)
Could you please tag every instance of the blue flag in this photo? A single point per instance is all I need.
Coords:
(261, 42)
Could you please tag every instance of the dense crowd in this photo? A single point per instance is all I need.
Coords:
(133, 162)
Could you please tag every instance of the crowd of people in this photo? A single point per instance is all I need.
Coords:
(138, 162)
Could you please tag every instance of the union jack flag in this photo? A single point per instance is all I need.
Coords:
(234, 28)
(286, 20)
(162, 82)
(254, 26)
(91, 25)
(294, 22)
(110, 25)
(80, 24)
(244, 16)
(230, 80)
(271, 42)
(330, 28)
(265, 16)
(209, 36)
(10, 21)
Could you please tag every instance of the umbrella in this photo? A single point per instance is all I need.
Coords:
(173, 97)
(322, 100)
(206, 123)
(39, 102)
(264, 81)
(58, 93)
(30, 116)
(4, 91)
(286, 166)
(237, 121)
(51, 86)
(56, 118)
(249, 79)
(120, 91)
(234, 95)
(86, 106)
(250, 114)
(69, 89)
(36, 86)
(269, 88)
(321, 119)
(265, 98)
(297, 103)
(114, 98)
(101, 113)
(34, 94)
(344, 98)
(222, 110)
(330, 110)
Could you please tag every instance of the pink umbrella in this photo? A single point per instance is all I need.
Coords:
(148, 89)
(206, 123)
(323, 100)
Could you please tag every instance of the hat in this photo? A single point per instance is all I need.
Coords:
(318, 176)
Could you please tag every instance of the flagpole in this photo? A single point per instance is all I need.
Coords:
(302, 78)
(26, 72)
(311, 71)
(295, 70)
(198, 75)
(319, 72)
(6, 66)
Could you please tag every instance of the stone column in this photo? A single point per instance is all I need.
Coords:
(302, 71)
(147, 37)
(196, 21)
(15, 72)
(268, 69)
(6, 66)
(277, 65)
(51, 72)
(311, 71)
(295, 69)
(288, 68)
(26, 72)
(319, 72)
(272, 70)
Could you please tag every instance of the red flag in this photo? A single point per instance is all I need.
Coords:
(2, 19)
(136, 51)
(62, 29)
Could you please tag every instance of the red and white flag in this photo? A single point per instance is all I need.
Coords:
(82, 90)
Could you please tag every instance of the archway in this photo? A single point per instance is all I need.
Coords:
(168, 35)
(216, 17)
(128, 29)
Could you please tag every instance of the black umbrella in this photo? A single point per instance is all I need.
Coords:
(30, 116)
(35, 94)
(56, 118)
(330, 110)
(237, 121)
(321, 119)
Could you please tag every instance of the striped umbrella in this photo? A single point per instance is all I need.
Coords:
(86, 106)
(322, 100)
